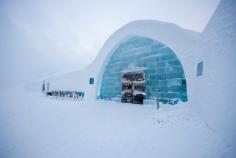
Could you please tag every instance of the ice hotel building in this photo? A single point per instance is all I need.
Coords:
(160, 49)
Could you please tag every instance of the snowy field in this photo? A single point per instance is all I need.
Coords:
(34, 126)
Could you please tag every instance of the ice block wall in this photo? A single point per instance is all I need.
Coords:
(164, 72)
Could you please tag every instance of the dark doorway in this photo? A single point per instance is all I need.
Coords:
(133, 87)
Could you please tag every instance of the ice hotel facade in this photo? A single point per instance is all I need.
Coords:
(160, 49)
(172, 58)
(147, 45)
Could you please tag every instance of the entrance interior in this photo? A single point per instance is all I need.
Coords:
(133, 87)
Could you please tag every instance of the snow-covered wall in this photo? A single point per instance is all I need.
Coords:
(215, 89)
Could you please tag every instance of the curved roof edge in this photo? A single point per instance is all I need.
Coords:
(155, 29)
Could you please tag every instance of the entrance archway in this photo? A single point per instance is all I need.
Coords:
(163, 69)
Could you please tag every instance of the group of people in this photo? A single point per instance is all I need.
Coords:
(66, 94)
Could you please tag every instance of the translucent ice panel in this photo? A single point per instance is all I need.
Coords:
(164, 72)
(200, 69)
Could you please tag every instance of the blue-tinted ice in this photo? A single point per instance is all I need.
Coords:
(164, 72)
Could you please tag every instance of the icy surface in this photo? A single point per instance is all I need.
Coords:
(164, 72)
(40, 127)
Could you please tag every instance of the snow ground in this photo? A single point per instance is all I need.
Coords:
(34, 126)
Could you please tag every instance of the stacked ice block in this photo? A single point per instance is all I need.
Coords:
(164, 72)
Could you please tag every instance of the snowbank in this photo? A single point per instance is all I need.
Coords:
(39, 127)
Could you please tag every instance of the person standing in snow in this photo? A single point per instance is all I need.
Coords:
(157, 99)
(43, 86)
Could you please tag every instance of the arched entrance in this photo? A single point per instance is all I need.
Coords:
(163, 70)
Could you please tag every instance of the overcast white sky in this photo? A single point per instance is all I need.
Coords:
(71, 32)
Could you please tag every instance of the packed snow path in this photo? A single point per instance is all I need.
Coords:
(34, 126)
